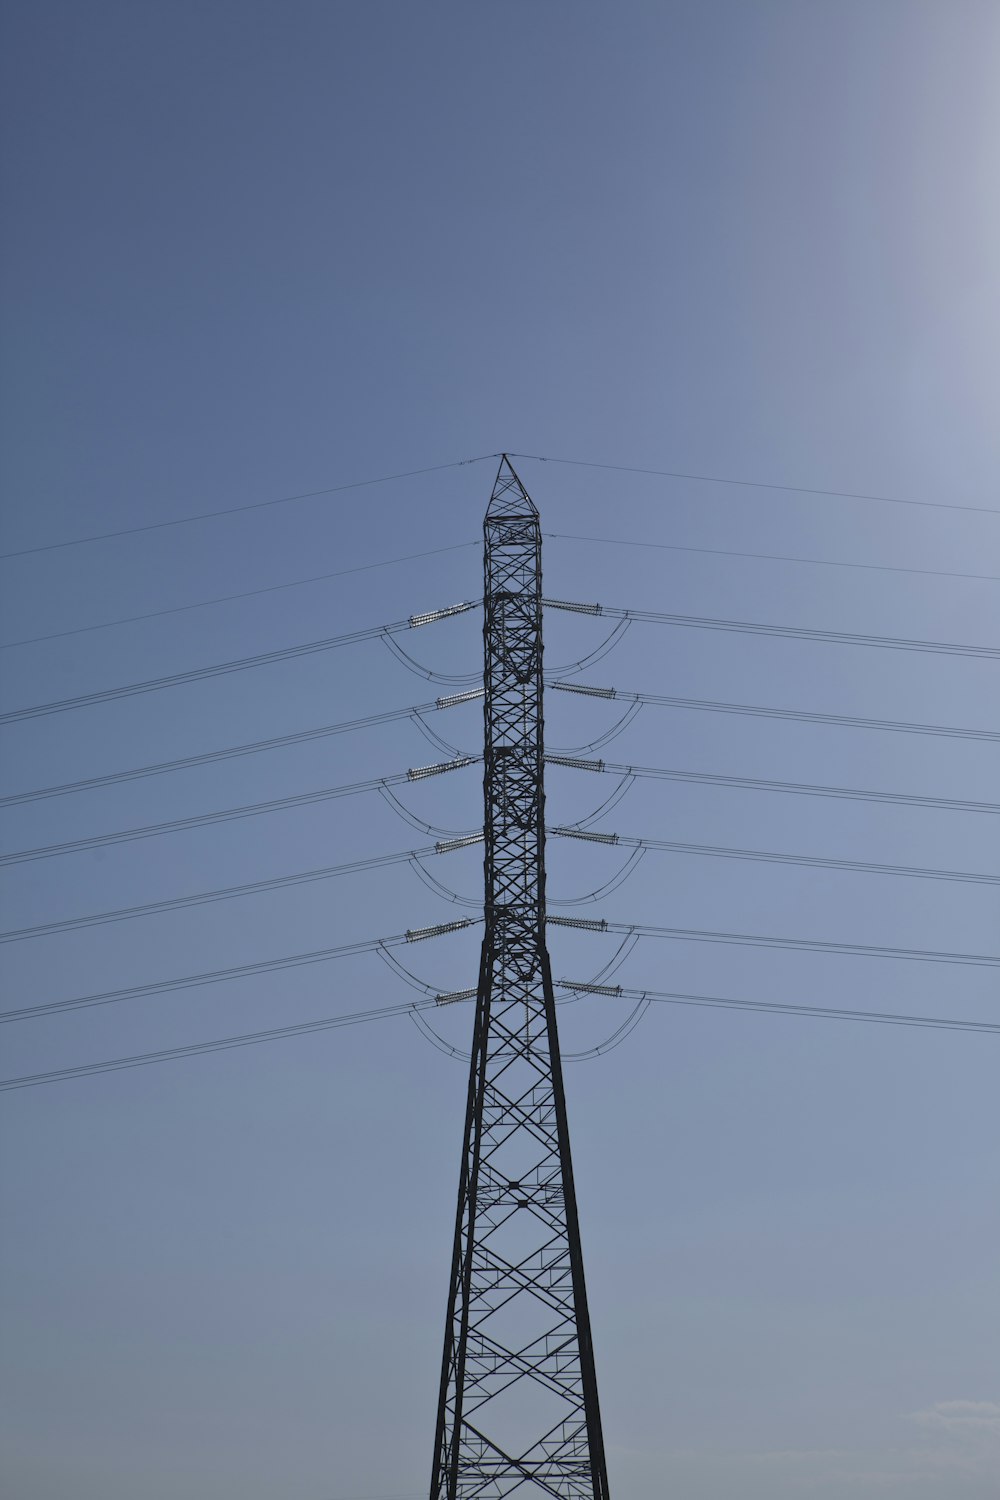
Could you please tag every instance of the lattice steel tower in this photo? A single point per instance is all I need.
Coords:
(518, 1410)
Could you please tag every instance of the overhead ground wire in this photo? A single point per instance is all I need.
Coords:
(783, 557)
(758, 484)
(178, 609)
(232, 510)
(274, 588)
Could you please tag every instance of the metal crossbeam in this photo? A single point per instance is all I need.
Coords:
(518, 1408)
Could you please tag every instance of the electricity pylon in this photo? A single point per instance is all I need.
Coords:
(518, 1409)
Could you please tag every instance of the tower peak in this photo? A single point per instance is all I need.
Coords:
(509, 497)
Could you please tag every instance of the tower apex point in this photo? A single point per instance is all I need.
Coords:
(509, 497)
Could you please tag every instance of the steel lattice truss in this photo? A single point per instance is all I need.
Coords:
(518, 1408)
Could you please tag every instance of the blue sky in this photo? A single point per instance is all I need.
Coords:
(258, 250)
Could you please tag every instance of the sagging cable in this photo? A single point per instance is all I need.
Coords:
(606, 889)
(596, 655)
(402, 972)
(439, 889)
(604, 739)
(433, 992)
(437, 740)
(570, 670)
(618, 1036)
(455, 997)
(416, 667)
(386, 792)
(429, 1034)
(624, 951)
(608, 805)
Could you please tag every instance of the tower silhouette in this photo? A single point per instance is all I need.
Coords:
(518, 1409)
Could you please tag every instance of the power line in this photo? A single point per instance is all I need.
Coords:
(760, 940)
(329, 1023)
(388, 562)
(232, 510)
(231, 892)
(172, 1054)
(387, 631)
(229, 814)
(305, 877)
(273, 588)
(849, 721)
(253, 747)
(833, 1013)
(239, 971)
(798, 632)
(482, 458)
(751, 783)
(238, 664)
(764, 856)
(819, 562)
(568, 669)
(757, 484)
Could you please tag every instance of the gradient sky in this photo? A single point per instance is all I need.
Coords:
(256, 250)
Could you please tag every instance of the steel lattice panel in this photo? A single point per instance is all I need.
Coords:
(518, 1409)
